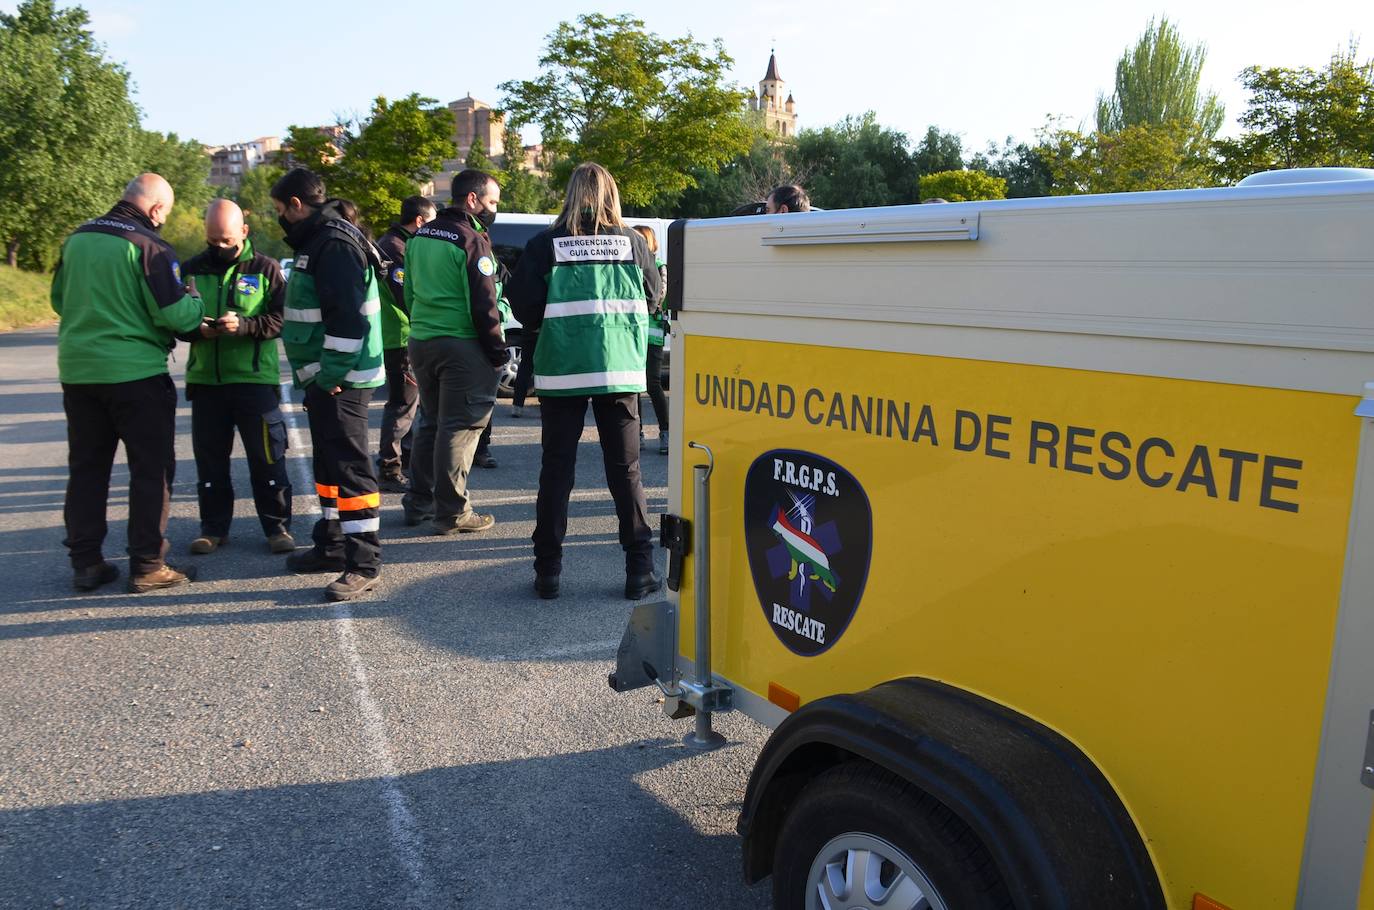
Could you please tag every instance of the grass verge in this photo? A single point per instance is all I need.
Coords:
(24, 299)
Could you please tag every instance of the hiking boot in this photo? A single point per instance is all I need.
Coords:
(546, 586)
(92, 577)
(313, 560)
(663, 443)
(162, 577)
(350, 585)
(206, 544)
(393, 481)
(282, 543)
(637, 586)
(466, 525)
(483, 459)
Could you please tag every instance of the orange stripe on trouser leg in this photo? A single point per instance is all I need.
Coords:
(358, 503)
(326, 491)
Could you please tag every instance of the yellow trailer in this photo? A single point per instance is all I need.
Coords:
(1042, 532)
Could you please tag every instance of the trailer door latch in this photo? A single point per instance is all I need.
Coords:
(675, 535)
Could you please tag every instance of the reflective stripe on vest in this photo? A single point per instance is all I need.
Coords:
(596, 307)
(346, 345)
(293, 315)
(590, 380)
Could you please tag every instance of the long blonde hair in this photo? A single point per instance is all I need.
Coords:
(592, 202)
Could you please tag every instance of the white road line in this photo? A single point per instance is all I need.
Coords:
(406, 839)
(586, 648)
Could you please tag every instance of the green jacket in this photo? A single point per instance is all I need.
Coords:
(450, 283)
(253, 287)
(395, 313)
(588, 296)
(333, 328)
(119, 294)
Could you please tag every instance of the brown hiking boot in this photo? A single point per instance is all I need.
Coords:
(162, 577)
(350, 585)
(281, 543)
(466, 525)
(205, 544)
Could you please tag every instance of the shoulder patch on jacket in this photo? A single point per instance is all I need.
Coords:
(486, 266)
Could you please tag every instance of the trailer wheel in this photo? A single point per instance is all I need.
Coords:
(860, 837)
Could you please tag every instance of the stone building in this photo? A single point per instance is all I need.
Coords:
(779, 116)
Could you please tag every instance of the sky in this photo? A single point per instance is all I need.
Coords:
(230, 72)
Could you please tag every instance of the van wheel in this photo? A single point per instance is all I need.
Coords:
(860, 837)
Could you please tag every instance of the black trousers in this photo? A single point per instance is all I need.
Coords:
(653, 378)
(345, 479)
(617, 422)
(254, 410)
(142, 415)
(524, 374)
(402, 401)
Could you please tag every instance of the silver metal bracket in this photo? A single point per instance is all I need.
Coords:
(646, 653)
(1367, 768)
(709, 698)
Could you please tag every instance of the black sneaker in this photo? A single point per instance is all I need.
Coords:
(483, 460)
(350, 585)
(310, 561)
(92, 577)
(546, 586)
(637, 586)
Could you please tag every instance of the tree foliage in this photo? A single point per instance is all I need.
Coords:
(184, 164)
(1020, 164)
(962, 186)
(747, 178)
(254, 196)
(856, 163)
(937, 152)
(652, 110)
(1132, 159)
(1158, 81)
(379, 161)
(67, 129)
(1304, 118)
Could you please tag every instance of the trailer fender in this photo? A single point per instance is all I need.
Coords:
(1059, 833)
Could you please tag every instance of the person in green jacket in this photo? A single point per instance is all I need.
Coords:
(586, 285)
(333, 338)
(233, 380)
(456, 347)
(119, 294)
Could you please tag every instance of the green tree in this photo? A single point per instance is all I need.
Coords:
(1158, 81)
(381, 160)
(855, 163)
(523, 189)
(184, 164)
(67, 129)
(1018, 163)
(1304, 118)
(937, 152)
(748, 178)
(962, 186)
(652, 110)
(1132, 159)
(254, 196)
(477, 156)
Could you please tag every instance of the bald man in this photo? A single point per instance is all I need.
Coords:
(233, 381)
(119, 292)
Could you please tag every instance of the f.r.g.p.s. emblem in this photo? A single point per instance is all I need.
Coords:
(808, 528)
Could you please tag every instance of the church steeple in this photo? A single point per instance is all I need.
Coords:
(772, 74)
(779, 116)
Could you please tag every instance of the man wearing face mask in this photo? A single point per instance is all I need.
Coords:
(456, 346)
(119, 293)
(333, 338)
(233, 378)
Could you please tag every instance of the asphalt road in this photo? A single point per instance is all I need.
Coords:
(240, 742)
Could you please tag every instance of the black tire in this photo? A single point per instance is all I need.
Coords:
(859, 798)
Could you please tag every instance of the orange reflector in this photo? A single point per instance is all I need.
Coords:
(1203, 902)
(784, 698)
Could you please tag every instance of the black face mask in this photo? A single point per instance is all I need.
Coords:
(285, 225)
(485, 218)
(222, 256)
